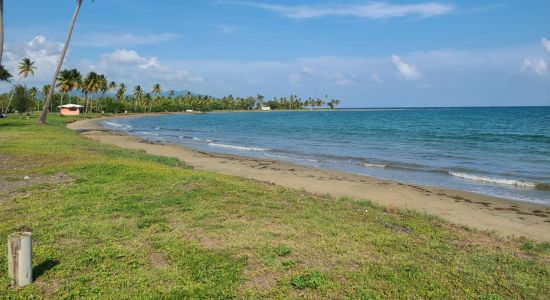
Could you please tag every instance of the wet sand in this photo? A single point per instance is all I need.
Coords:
(506, 217)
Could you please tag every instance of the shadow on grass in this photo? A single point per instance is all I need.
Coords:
(43, 267)
(12, 123)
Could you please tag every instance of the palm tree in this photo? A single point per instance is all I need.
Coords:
(32, 92)
(121, 92)
(26, 67)
(156, 91)
(112, 86)
(44, 116)
(138, 92)
(90, 85)
(103, 87)
(147, 100)
(45, 90)
(67, 81)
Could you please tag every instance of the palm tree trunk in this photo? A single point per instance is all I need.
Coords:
(1, 30)
(62, 95)
(12, 93)
(86, 103)
(44, 116)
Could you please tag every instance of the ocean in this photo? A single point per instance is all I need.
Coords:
(499, 151)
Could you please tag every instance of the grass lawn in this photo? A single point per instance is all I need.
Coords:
(114, 223)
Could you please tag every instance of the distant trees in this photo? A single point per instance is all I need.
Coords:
(21, 99)
(93, 87)
(67, 81)
(333, 103)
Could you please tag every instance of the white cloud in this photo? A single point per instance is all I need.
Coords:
(129, 66)
(546, 44)
(106, 40)
(129, 57)
(536, 66)
(407, 71)
(43, 52)
(374, 10)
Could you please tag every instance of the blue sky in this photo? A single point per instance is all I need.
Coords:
(366, 53)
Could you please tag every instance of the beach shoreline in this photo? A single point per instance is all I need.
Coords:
(505, 217)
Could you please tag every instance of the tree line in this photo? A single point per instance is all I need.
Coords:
(97, 94)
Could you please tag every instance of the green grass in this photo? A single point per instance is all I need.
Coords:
(124, 224)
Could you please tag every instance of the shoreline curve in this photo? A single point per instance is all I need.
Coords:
(503, 216)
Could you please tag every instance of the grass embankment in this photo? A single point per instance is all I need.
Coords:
(113, 223)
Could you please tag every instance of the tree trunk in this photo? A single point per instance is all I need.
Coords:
(62, 95)
(11, 96)
(20, 259)
(1, 30)
(44, 116)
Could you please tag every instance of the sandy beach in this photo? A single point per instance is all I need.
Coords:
(506, 217)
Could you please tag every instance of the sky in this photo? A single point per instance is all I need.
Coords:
(365, 53)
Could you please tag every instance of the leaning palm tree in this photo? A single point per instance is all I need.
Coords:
(26, 67)
(1, 30)
(44, 116)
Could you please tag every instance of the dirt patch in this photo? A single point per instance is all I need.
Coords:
(9, 185)
(258, 277)
(158, 260)
(12, 162)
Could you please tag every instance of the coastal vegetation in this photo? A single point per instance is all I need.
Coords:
(114, 223)
(97, 94)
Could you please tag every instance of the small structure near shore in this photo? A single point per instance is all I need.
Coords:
(70, 109)
(265, 108)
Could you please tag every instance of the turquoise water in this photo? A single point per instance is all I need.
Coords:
(497, 151)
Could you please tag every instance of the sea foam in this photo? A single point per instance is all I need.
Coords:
(500, 181)
(241, 148)
(369, 165)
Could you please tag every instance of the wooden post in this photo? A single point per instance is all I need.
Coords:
(20, 258)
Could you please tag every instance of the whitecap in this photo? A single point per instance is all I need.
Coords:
(369, 165)
(241, 148)
(501, 181)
